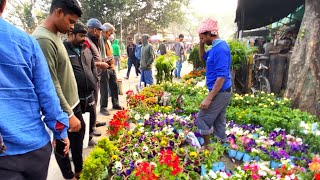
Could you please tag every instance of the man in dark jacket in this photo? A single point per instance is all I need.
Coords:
(132, 60)
(84, 69)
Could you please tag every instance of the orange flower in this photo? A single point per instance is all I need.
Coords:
(315, 165)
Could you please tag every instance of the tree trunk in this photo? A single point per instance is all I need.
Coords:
(304, 71)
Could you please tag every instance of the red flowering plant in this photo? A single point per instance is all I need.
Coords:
(314, 170)
(133, 99)
(118, 123)
(288, 172)
(145, 172)
(168, 166)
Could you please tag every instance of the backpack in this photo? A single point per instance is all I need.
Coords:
(138, 52)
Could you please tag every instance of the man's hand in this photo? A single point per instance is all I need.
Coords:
(103, 65)
(205, 103)
(66, 141)
(74, 124)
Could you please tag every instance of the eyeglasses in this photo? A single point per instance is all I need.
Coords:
(2, 146)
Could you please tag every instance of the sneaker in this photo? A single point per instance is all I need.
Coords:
(99, 124)
(126, 77)
(96, 132)
(104, 112)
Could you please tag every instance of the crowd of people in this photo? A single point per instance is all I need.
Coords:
(46, 82)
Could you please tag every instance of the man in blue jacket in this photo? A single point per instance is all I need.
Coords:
(212, 115)
(26, 93)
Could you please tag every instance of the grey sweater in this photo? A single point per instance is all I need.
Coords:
(147, 54)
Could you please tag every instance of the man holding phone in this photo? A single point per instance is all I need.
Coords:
(26, 93)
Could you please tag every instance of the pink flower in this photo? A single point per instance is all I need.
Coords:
(255, 176)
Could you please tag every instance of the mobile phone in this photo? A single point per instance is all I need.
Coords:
(59, 150)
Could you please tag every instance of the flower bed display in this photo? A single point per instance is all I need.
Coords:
(194, 76)
(163, 143)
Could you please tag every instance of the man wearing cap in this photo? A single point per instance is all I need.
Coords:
(93, 41)
(212, 115)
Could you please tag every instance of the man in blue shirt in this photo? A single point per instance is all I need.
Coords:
(26, 93)
(218, 80)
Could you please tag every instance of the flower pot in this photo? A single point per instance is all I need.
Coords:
(232, 153)
(292, 158)
(246, 158)
(182, 155)
(201, 140)
(221, 166)
(255, 136)
(215, 167)
(274, 164)
(239, 155)
(256, 158)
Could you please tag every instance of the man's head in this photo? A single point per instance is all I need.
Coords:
(131, 40)
(208, 31)
(95, 27)
(145, 39)
(181, 37)
(108, 30)
(2, 5)
(78, 34)
(64, 14)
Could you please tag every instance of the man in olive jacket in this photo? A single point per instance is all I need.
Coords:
(147, 58)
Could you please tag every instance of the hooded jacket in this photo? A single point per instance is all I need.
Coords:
(147, 53)
(116, 48)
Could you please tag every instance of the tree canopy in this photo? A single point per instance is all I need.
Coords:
(142, 16)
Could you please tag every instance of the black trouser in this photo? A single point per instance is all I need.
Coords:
(133, 61)
(88, 104)
(138, 66)
(76, 145)
(29, 166)
(108, 81)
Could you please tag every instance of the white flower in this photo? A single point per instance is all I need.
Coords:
(145, 148)
(135, 154)
(287, 178)
(181, 135)
(227, 132)
(262, 173)
(212, 174)
(277, 129)
(141, 129)
(154, 164)
(147, 117)
(292, 176)
(170, 117)
(224, 175)
(137, 117)
(317, 133)
(118, 165)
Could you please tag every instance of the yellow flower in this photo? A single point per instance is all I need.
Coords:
(252, 96)
(163, 143)
(265, 106)
(272, 94)
(181, 150)
(129, 133)
(206, 153)
(138, 134)
(246, 95)
(272, 103)
(248, 102)
(114, 157)
(193, 154)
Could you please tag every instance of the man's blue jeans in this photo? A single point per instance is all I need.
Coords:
(146, 77)
(177, 71)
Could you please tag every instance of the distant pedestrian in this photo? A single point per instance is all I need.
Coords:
(131, 48)
(116, 53)
(162, 48)
(147, 58)
(137, 52)
(179, 48)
